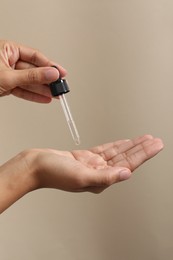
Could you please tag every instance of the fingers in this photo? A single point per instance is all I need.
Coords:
(108, 151)
(102, 179)
(138, 154)
(42, 90)
(20, 65)
(130, 153)
(141, 150)
(34, 57)
(101, 149)
(30, 96)
(28, 67)
(37, 76)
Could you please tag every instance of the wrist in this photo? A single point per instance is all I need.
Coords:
(17, 178)
(30, 167)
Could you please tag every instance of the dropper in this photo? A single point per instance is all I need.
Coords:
(59, 88)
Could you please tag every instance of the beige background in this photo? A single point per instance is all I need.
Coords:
(119, 57)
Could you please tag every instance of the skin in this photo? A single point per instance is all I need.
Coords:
(23, 74)
(26, 72)
(91, 170)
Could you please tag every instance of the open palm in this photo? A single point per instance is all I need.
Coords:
(97, 168)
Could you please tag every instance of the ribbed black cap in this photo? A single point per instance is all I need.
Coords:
(59, 87)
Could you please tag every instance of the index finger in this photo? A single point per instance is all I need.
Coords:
(33, 57)
(138, 154)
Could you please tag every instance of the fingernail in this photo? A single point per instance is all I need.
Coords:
(125, 174)
(51, 74)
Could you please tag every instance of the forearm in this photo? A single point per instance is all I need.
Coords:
(16, 179)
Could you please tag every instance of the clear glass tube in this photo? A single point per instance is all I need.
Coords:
(69, 119)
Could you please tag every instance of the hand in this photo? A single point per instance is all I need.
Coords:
(96, 169)
(25, 72)
(82, 170)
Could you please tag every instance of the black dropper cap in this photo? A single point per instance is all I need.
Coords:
(59, 86)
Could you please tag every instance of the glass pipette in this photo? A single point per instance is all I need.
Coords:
(69, 119)
(59, 88)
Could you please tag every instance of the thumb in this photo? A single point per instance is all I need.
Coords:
(10, 79)
(109, 176)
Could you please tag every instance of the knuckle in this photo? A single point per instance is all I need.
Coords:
(34, 57)
(130, 161)
(33, 76)
(106, 181)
